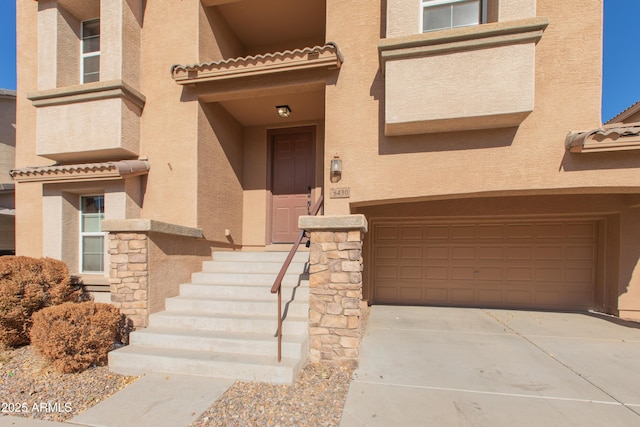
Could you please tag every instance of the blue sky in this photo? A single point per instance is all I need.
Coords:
(620, 86)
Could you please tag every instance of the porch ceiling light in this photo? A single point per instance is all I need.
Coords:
(283, 111)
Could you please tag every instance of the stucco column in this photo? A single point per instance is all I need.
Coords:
(335, 287)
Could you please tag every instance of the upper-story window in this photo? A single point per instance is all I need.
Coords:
(90, 51)
(441, 14)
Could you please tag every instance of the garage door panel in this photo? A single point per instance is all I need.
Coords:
(462, 296)
(411, 232)
(580, 253)
(581, 231)
(519, 253)
(463, 232)
(494, 274)
(386, 233)
(490, 253)
(550, 231)
(411, 272)
(548, 274)
(549, 253)
(411, 294)
(489, 297)
(536, 264)
(411, 252)
(462, 273)
(463, 252)
(436, 273)
(491, 231)
(520, 231)
(388, 252)
(518, 297)
(434, 253)
(519, 274)
(580, 275)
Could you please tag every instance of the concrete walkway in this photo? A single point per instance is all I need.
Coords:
(423, 366)
(155, 400)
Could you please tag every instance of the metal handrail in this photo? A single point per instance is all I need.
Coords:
(277, 284)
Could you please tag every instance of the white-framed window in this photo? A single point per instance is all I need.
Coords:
(91, 236)
(90, 64)
(441, 14)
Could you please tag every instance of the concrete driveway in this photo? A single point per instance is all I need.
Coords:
(434, 366)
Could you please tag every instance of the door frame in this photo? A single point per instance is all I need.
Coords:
(271, 134)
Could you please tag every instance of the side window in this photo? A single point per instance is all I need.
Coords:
(90, 51)
(442, 14)
(91, 237)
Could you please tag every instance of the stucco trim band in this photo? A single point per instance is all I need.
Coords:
(81, 172)
(317, 57)
(333, 222)
(149, 226)
(88, 92)
(600, 140)
(462, 39)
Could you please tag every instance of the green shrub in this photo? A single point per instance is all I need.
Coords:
(74, 336)
(26, 286)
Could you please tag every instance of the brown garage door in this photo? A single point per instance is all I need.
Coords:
(528, 264)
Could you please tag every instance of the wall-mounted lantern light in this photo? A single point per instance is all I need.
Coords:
(335, 169)
(283, 111)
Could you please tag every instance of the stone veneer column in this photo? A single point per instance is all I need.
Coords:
(129, 275)
(335, 288)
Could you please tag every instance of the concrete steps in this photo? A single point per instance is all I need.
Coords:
(224, 323)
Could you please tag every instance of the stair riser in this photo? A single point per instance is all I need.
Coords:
(234, 307)
(259, 256)
(295, 327)
(250, 267)
(134, 364)
(221, 345)
(242, 291)
(246, 279)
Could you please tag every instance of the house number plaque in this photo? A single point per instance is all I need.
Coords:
(340, 193)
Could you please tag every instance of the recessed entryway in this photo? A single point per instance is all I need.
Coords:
(292, 180)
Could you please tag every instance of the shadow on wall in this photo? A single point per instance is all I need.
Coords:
(576, 162)
(433, 142)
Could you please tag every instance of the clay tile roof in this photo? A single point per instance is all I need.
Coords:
(605, 139)
(77, 172)
(326, 56)
(620, 117)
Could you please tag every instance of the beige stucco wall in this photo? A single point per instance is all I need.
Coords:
(173, 259)
(220, 169)
(471, 89)
(7, 136)
(169, 124)
(104, 129)
(529, 157)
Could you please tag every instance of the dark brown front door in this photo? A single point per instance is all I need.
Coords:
(292, 179)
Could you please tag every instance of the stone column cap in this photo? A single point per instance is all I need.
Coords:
(333, 222)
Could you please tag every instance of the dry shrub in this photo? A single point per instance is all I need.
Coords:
(26, 286)
(75, 336)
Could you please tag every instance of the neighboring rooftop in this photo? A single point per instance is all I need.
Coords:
(630, 115)
(7, 93)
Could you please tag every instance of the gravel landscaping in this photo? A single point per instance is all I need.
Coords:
(315, 399)
(30, 387)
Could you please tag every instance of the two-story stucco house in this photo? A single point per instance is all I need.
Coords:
(452, 142)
